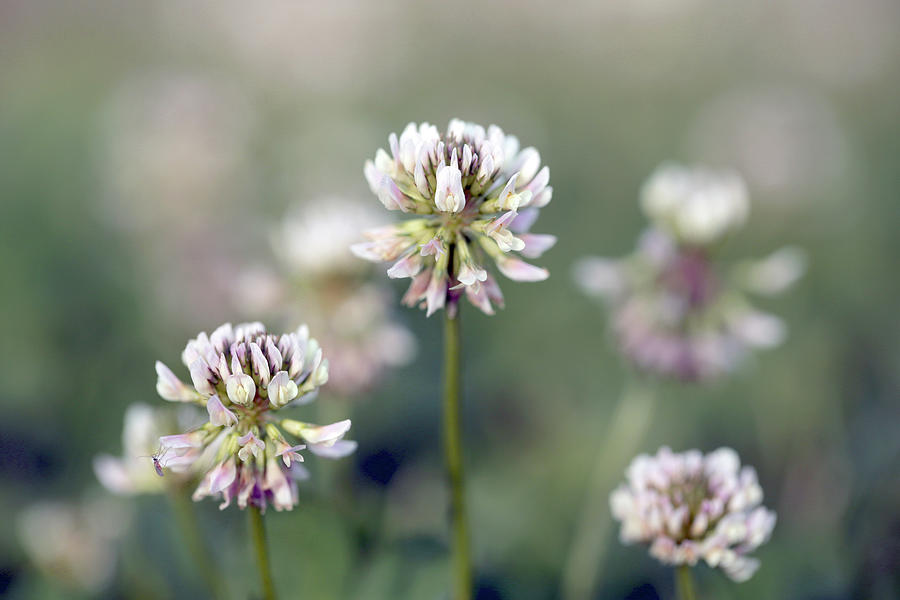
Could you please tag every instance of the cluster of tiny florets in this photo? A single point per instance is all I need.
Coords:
(243, 376)
(476, 195)
(675, 311)
(690, 507)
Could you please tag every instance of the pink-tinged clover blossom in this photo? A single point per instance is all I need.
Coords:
(243, 376)
(474, 195)
(690, 507)
(676, 311)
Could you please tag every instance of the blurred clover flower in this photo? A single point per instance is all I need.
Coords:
(352, 316)
(476, 196)
(74, 543)
(692, 506)
(695, 206)
(243, 376)
(129, 475)
(674, 313)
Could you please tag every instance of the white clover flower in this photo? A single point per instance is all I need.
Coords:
(677, 313)
(475, 195)
(689, 507)
(74, 544)
(242, 375)
(696, 206)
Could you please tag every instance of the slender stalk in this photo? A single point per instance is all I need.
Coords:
(462, 562)
(189, 526)
(621, 438)
(258, 534)
(685, 583)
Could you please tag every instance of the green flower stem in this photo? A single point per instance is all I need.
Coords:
(685, 583)
(461, 559)
(622, 437)
(189, 527)
(258, 534)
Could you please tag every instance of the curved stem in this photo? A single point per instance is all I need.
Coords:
(186, 516)
(258, 534)
(462, 563)
(622, 437)
(685, 583)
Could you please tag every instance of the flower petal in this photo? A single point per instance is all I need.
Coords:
(519, 270)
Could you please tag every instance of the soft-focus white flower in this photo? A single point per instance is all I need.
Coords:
(320, 279)
(697, 206)
(314, 238)
(470, 189)
(674, 312)
(74, 543)
(689, 507)
(242, 375)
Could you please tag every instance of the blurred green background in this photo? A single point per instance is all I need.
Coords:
(125, 217)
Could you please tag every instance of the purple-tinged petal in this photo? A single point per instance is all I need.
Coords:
(337, 449)
(524, 220)
(324, 434)
(435, 247)
(417, 288)
(218, 414)
(193, 439)
(408, 266)
(222, 475)
(478, 296)
(519, 270)
(260, 364)
(436, 294)
(274, 356)
(283, 490)
(540, 181)
(202, 377)
(222, 337)
(169, 387)
(536, 244)
(251, 446)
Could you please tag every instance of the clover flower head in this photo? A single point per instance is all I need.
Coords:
(697, 206)
(243, 376)
(689, 507)
(475, 195)
(677, 312)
